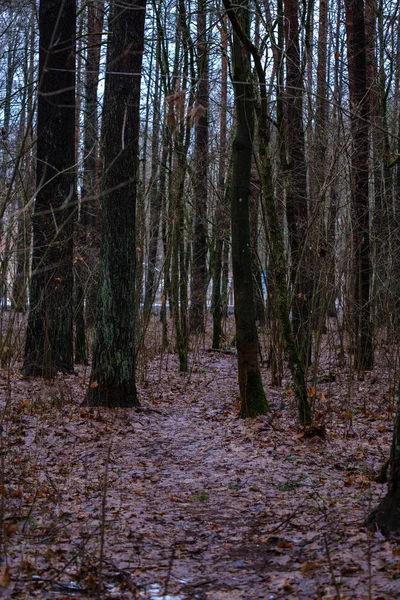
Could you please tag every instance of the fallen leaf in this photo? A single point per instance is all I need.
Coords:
(5, 577)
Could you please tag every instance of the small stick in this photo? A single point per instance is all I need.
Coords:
(103, 520)
(170, 563)
(328, 554)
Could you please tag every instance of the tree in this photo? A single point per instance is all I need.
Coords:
(112, 381)
(221, 226)
(177, 106)
(277, 248)
(359, 99)
(88, 226)
(155, 195)
(296, 190)
(252, 395)
(199, 261)
(49, 341)
(386, 516)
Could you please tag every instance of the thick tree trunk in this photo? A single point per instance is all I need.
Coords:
(112, 381)
(359, 98)
(253, 399)
(49, 342)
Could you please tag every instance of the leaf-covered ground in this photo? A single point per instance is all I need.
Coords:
(183, 500)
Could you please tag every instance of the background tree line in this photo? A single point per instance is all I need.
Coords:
(262, 146)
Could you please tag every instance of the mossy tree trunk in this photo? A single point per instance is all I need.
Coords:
(277, 245)
(49, 340)
(253, 399)
(112, 380)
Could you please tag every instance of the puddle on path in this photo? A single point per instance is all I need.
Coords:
(155, 592)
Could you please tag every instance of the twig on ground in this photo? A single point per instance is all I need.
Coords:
(328, 555)
(170, 563)
(103, 519)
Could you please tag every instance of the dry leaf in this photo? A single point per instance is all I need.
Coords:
(309, 566)
(5, 578)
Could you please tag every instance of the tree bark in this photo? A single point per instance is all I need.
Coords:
(86, 266)
(278, 256)
(112, 380)
(359, 99)
(198, 284)
(221, 211)
(386, 516)
(253, 399)
(296, 192)
(49, 341)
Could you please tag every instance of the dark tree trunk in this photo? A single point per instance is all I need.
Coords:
(359, 98)
(321, 258)
(49, 342)
(296, 193)
(157, 171)
(279, 263)
(386, 516)
(255, 190)
(112, 381)
(221, 212)
(179, 248)
(198, 284)
(253, 400)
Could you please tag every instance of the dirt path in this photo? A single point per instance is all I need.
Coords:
(185, 501)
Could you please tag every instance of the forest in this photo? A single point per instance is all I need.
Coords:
(200, 299)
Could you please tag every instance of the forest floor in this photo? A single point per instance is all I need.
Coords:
(182, 499)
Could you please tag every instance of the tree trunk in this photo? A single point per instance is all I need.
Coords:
(253, 399)
(254, 207)
(49, 342)
(112, 381)
(296, 192)
(155, 198)
(20, 283)
(221, 211)
(359, 99)
(321, 257)
(279, 262)
(198, 284)
(86, 265)
(386, 516)
(179, 256)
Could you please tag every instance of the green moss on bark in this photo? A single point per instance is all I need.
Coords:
(255, 402)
